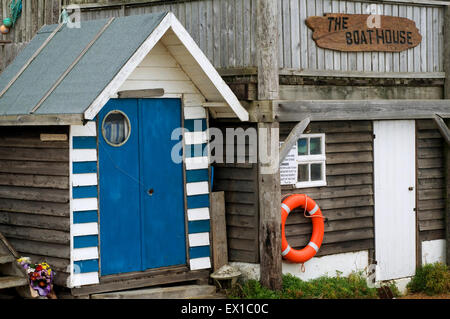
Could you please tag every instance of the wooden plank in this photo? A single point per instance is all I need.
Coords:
(269, 213)
(35, 168)
(146, 93)
(59, 182)
(33, 207)
(23, 154)
(360, 110)
(218, 230)
(40, 248)
(334, 237)
(35, 234)
(332, 226)
(267, 43)
(34, 194)
(35, 221)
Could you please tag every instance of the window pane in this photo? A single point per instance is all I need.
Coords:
(303, 173)
(303, 146)
(116, 128)
(316, 172)
(315, 146)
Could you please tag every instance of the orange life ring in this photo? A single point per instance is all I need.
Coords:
(310, 250)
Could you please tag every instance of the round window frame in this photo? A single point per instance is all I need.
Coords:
(128, 123)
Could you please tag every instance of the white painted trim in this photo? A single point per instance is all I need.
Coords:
(85, 253)
(197, 188)
(84, 204)
(194, 112)
(87, 179)
(84, 155)
(196, 162)
(129, 67)
(198, 214)
(199, 239)
(72, 129)
(200, 263)
(195, 138)
(211, 73)
(88, 278)
(90, 129)
(208, 68)
(84, 229)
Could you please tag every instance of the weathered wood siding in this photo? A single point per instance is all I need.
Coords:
(240, 183)
(347, 200)
(298, 50)
(35, 13)
(431, 188)
(226, 31)
(34, 195)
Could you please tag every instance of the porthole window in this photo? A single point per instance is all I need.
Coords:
(116, 128)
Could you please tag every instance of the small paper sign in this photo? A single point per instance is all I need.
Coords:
(289, 167)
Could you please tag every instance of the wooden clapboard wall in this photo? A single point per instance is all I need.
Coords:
(347, 200)
(226, 31)
(298, 50)
(240, 183)
(35, 13)
(431, 187)
(34, 195)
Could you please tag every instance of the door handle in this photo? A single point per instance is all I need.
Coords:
(150, 192)
(410, 188)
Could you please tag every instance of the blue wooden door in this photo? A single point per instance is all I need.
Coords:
(142, 223)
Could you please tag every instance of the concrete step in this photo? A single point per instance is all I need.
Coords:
(176, 292)
(4, 259)
(11, 282)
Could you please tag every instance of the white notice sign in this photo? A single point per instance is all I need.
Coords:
(289, 167)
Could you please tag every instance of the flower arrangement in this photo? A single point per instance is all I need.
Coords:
(41, 275)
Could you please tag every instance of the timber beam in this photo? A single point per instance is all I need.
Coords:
(346, 110)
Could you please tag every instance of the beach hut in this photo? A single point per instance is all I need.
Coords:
(89, 119)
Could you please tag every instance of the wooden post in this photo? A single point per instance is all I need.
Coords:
(269, 206)
(268, 178)
(218, 230)
(446, 146)
(267, 46)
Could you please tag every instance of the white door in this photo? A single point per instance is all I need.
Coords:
(395, 189)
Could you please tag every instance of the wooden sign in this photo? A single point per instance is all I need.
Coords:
(363, 32)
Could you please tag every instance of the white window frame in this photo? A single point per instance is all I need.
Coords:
(313, 159)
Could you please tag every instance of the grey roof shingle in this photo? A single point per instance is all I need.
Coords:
(89, 76)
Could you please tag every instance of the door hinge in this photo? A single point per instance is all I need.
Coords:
(374, 136)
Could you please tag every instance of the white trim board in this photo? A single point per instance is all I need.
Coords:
(208, 70)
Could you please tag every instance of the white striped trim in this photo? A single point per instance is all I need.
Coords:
(84, 155)
(314, 210)
(286, 208)
(87, 278)
(84, 204)
(84, 229)
(196, 162)
(197, 188)
(199, 239)
(313, 245)
(90, 129)
(87, 179)
(195, 138)
(198, 214)
(286, 251)
(85, 253)
(200, 263)
(194, 112)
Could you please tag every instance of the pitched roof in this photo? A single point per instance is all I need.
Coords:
(74, 71)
